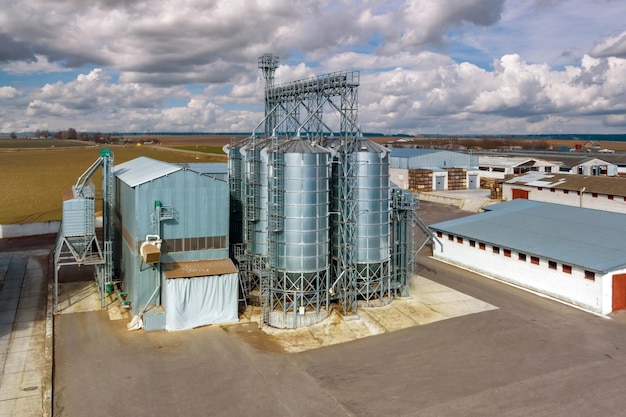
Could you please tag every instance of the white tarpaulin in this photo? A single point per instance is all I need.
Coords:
(199, 301)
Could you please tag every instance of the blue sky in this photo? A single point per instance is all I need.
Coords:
(427, 66)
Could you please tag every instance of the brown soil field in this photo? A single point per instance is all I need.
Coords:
(616, 146)
(35, 180)
(175, 140)
(214, 140)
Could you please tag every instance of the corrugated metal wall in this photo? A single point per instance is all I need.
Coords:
(440, 159)
(201, 206)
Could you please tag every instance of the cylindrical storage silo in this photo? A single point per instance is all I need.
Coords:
(299, 232)
(78, 222)
(373, 209)
(255, 197)
(371, 217)
(235, 182)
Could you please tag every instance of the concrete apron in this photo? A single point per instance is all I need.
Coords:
(81, 296)
(428, 302)
(25, 334)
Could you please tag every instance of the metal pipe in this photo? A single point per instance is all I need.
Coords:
(145, 307)
(263, 121)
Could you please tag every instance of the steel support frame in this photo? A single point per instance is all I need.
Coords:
(409, 235)
(297, 295)
(65, 252)
(283, 106)
(292, 100)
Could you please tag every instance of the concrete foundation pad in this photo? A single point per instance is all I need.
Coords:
(428, 302)
(365, 328)
(290, 321)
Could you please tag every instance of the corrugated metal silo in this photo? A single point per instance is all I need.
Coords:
(78, 219)
(255, 196)
(235, 182)
(299, 180)
(372, 218)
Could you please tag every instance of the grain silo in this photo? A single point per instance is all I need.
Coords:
(255, 196)
(298, 245)
(372, 220)
(235, 183)
(299, 259)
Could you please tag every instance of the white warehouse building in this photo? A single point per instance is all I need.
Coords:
(424, 170)
(596, 192)
(572, 254)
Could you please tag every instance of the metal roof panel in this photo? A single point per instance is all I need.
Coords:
(411, 152)
(143, 169)
(590, 239)
(591, 184)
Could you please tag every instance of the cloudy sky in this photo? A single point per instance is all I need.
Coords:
(426, 66)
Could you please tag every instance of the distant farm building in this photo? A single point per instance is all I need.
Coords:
(600, 193)
(501, 167)
(423, 170)
(592, 166)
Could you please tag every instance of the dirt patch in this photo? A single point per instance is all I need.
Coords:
(255, 337)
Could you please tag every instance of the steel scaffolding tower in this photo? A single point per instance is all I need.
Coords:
(268, 64)
(298, 106)
(339, 92)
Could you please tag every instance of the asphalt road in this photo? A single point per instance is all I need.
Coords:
(530, 357)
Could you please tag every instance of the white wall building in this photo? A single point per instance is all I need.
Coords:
(500, 167)
(595, 167)
(573, 254)
(600, 193)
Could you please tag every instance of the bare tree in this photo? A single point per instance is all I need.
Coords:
(70, 134)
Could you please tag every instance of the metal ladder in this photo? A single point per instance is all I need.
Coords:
(277, 193)
(264, 297)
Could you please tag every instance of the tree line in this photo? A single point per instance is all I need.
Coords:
(72, 134)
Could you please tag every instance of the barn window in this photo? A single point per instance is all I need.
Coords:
(552, 265)
(507, 253)
(472, 243)
(539, 188)
(594, 195)
(459, 239)
(565, 191)
(521, 257)
(610, 197)
(496, 249)
(567, 269)
(552, 190)
(450, 237)
(534, 260)
(439, 234)
(590, 275)
(481, 245)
